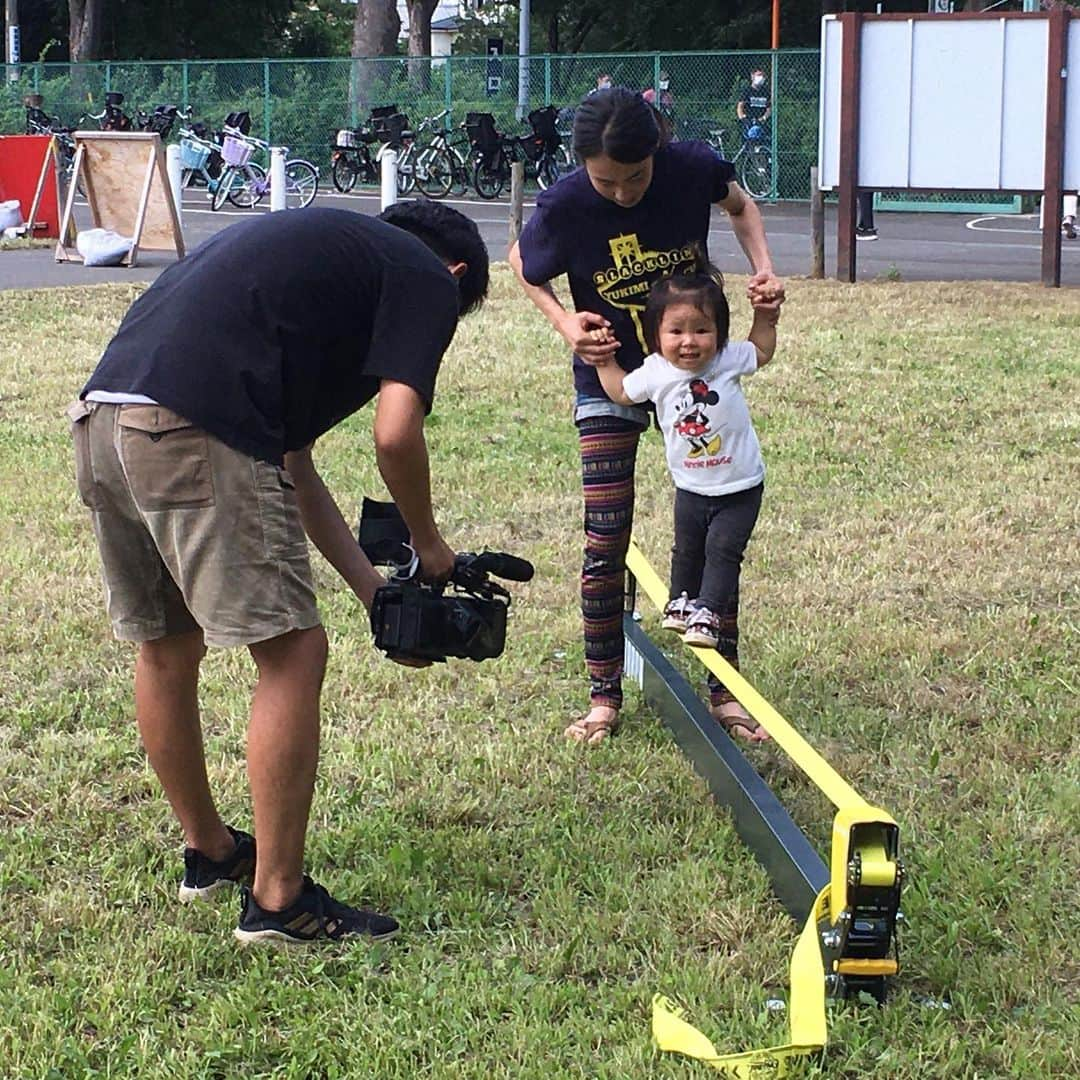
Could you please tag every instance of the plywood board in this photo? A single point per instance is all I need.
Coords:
(127, 188)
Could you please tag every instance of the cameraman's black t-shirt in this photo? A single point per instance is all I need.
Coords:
(278, 328)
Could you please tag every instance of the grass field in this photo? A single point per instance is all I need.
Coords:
(909, 603)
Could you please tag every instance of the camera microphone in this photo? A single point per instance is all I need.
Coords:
(508, 567)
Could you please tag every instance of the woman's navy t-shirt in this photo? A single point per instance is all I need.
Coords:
(613, 254)
(279, 327)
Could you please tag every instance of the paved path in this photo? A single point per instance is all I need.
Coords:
(927, 247)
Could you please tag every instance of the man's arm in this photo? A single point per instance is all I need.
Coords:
(765, 288)
(401, 453)
(325, 525)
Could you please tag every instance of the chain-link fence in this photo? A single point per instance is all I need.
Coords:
(302, 103)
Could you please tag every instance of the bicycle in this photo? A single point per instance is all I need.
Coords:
(440, 165)
(243, 183)
(39, 122)
(753, 161)
(495, 152)
(351, 160)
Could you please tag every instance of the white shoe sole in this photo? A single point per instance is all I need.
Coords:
(695, 637)
(186, 894)
(283, 940)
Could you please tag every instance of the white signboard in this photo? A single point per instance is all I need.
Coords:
(946, 104)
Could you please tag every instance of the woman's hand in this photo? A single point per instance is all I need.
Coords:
(590, 336)
(766, 291)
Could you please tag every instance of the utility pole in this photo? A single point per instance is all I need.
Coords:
(523, 60)
(11, 22)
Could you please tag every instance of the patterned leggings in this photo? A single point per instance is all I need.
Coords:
(608, 452)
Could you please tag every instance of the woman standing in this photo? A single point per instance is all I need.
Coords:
(637, 211)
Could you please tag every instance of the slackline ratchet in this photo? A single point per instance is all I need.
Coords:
(847, 945)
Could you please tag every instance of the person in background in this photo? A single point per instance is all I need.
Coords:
(603, 82)
(865, 228)
(754, 106)
(664, 101)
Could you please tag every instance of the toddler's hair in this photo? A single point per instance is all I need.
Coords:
(702, 286)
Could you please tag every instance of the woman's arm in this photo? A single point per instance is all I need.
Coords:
(765, 288)
(576, 327)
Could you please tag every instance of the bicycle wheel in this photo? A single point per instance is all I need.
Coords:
(247, 186)
(221, 192)
(460, 172)
(434, 173)
(488, 179)
(547, 172)
(301, 183)
(406, 171)
(344, 173)
(756, 172)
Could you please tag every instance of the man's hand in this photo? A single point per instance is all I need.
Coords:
(590, 336)
(436, 560)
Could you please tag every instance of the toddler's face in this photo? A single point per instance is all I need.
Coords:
(687, 336)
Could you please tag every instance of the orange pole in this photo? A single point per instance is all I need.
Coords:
(776, 24)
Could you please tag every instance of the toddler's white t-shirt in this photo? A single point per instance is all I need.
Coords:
(712, 448)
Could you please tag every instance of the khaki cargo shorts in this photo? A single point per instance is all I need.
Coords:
(191, 532)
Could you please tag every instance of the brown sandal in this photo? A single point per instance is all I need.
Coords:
(737, 722)
(592, 732)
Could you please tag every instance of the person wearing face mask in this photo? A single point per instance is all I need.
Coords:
(754, 106)
(603, 82)
(637, 211)
(665, 101)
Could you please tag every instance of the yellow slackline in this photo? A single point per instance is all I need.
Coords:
(859, 830)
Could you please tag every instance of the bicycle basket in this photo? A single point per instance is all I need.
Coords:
(346, 137)
(235, 151)
(384, 110)
(239, 120)
(33, 101)
(162, 120)
(542, 122)
(482, 133)
(532, 146)
(390, 128)
(114, 97)
(192, 155)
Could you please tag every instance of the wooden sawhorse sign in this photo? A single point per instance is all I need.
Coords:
(127, 187)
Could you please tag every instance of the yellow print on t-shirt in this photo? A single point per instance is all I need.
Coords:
(627, 282)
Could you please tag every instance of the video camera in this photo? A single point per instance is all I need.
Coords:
(411, 620)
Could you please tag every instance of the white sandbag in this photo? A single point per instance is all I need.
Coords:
(10, 214)
(102, 247)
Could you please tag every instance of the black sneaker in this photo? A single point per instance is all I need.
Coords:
(864, 233)
(203, 876)
(315, 916)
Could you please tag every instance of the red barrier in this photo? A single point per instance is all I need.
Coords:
(26, 163)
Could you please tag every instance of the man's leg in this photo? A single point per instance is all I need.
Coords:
(283, 752)
(167, 712)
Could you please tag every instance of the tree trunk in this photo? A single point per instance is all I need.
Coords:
(84, 29)
(553, 33)
(420, 12)
(375, 33)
